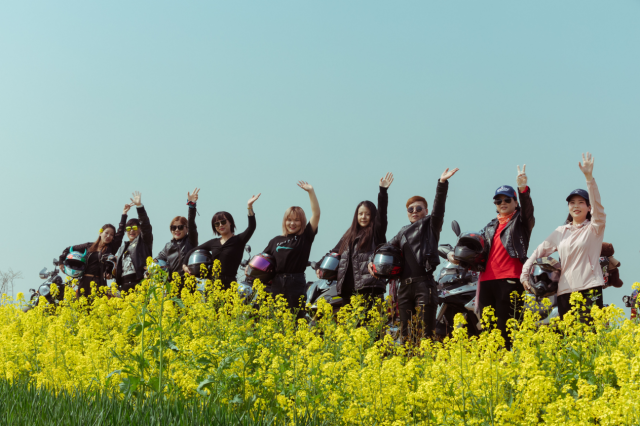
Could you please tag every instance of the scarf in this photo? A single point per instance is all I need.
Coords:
(505, 219)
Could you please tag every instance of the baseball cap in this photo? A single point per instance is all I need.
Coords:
(506, 190)
(581, 192)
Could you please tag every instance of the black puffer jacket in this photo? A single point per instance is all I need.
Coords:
(515, 236)
(139, 249)
(423, 235)
(175, 252)
(359, 259)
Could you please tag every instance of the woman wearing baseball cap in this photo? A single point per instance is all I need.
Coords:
(578, 242)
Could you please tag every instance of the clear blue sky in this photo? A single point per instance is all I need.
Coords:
(98, 99)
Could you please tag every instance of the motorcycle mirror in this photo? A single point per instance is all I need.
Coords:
(444, 250)
(56, 262)
(247, 248)
(43, 274)
(456, 228)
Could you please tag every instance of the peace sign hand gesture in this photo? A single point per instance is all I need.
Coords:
(136, 198)
(252, 200)
(521, 179)
(587, 166)
(386, 181)
(126, 208)
(447, 174)
(193, 197)
(304, 185)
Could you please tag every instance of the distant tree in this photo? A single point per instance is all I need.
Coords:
(6, 281)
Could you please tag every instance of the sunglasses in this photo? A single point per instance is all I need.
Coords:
(131, 228)
(499, 201)
(220, 223)
(177, 228)
(418, 209)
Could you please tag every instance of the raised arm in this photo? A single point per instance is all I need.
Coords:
(437, 214)
(315, 206)
(192, 199)
(380, 230)
(526, 204)
(145, 225)
(598, 216)
(117, 239)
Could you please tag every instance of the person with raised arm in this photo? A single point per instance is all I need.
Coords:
(132, 256)
(419, 244)
(185, 237)
(578, 243)
(291, 251)
(228, 248)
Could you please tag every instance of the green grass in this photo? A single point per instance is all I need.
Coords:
(23, 403)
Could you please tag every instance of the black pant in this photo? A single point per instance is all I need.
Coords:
(418, 296)
(293, 288)
(84, 285)
(497, 294)
(129, 282)
(592, 296)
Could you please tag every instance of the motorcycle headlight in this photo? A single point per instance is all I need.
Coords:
(44, 290)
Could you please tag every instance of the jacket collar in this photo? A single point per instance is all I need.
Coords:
(582, 225)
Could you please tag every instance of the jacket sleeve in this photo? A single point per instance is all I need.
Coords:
(77, 247)
(380, 231)
(117, 239)
(145, 228)
(193, 228)
(526, 210)
(547, 248)
(395, 241)
(598, 216)
(163, 253)
(437, 214)
(336, 249)
(246, 235)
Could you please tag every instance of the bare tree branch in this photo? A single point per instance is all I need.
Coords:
(6, 281)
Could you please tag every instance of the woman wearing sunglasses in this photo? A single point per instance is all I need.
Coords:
(368, 229)
(185, 237)
(506, 242)
(132, 256)
(578, 243)
(291, 251)
(107, 243)
(229, 247)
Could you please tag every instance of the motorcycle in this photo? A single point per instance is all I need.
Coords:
(44, 290)
(632, 302)
(325, 289)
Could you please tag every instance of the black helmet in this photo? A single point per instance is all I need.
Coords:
(469, 251)
(328, 269)
(109, 261)
(197, 258)
(388, 261)
(544, 276)
(75, 263)
(262, 266)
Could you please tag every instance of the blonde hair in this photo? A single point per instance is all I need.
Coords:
(297, 213)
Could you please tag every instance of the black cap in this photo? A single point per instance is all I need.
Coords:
(581, 192)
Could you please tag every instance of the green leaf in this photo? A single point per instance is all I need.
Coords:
(205, 384)
(177, 301)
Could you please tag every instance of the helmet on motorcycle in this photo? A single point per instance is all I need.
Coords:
(262, 266)
(328, 269)
(469, 251)
(544, 276)
(197, 258)
(75, 263)
(388, 261)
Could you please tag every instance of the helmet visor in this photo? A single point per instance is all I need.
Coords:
(75, 264)
(260, 263)
(199, 258)
(330, 263)
(383, 259)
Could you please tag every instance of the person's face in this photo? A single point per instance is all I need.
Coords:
(578, 208)
(293, 225)
(416, 211)
(364, 216)
(223, 226)
(132, 232)
(107, 236)
(178, 230)
(505, 205)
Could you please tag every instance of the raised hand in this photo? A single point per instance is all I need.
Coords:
(304, 185)
(193, 197)
(386, 181)
(126, 208)
(521, 179)
(136, 198)
(253, 199)
(446, 175)
(587, 166)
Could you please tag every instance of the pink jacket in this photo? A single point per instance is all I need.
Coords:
(579, 247)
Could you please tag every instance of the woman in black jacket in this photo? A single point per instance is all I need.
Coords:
(368, 229)
(185, 237)
(107, 243)
(229, 247)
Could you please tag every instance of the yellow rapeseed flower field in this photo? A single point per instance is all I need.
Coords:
(257, 358)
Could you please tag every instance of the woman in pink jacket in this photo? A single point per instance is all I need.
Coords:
(578, 242)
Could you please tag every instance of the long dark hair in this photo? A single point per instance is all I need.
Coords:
(95, 246)
(221, 216)
(355, 230)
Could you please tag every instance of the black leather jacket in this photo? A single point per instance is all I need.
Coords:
(358, 258)
(423, 236)
(175, 251)
(515, 236)
(139, 249)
